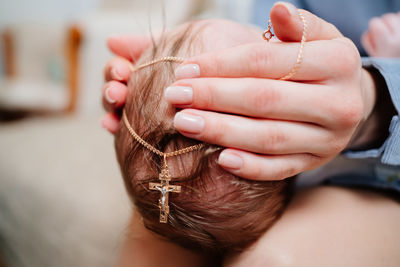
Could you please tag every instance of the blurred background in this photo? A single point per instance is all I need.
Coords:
(62, 201)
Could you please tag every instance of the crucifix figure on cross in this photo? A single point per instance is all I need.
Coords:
(165, 188)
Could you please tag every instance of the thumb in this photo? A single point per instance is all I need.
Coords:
(129, 46)
(288, 25)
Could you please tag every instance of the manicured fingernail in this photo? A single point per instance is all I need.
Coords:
(289, 7)
(182, 95)
(187, 71)
(188, 123)
(108, 96)
(116, 74)
(230, 160)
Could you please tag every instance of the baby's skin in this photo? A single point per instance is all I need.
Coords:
(382, 39)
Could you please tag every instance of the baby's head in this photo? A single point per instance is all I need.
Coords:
(215, 211)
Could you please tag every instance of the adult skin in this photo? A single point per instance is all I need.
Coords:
(326, 102)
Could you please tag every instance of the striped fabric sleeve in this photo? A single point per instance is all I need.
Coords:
(390, 150)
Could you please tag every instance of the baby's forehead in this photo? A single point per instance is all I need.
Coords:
(217, 34)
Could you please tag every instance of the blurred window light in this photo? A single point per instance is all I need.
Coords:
(20, 11)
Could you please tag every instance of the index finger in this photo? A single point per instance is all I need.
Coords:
(321, 61)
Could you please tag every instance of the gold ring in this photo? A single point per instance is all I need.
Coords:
(296, 66)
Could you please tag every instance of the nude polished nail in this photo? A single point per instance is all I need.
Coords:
(189, 123)
(230, 160)
(180, 95)
(108, 97)
(187, 71)
(116, 74)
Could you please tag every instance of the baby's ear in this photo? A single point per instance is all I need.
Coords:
(288, 25)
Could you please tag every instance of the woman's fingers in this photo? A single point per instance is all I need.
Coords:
(116, 72)
(114, 95)
(257, 98)
(266, 167)
(129, 46)
(266, 59)
(118, 69)
(255, 135)
(322, 60)
(288, 25)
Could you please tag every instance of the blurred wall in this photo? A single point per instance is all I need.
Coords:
(22, 11)
(41, 26)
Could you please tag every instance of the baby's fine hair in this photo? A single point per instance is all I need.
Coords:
(216, 210)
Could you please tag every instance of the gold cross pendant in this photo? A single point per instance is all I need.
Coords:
(165, 188)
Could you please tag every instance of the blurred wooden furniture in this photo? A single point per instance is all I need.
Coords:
(73, 43)
(8, 54)
(20, 93)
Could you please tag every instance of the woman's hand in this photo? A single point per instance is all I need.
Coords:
(117, 72)
(275, 129)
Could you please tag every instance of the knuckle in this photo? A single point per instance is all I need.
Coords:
(350, 114)
(272, 141)
(203, 95)
(258, 57)
(345, 109)
(346, 57)
(215, 132)
(216, 65)
(263, 100)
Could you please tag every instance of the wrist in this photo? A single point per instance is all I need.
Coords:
(379, 110)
